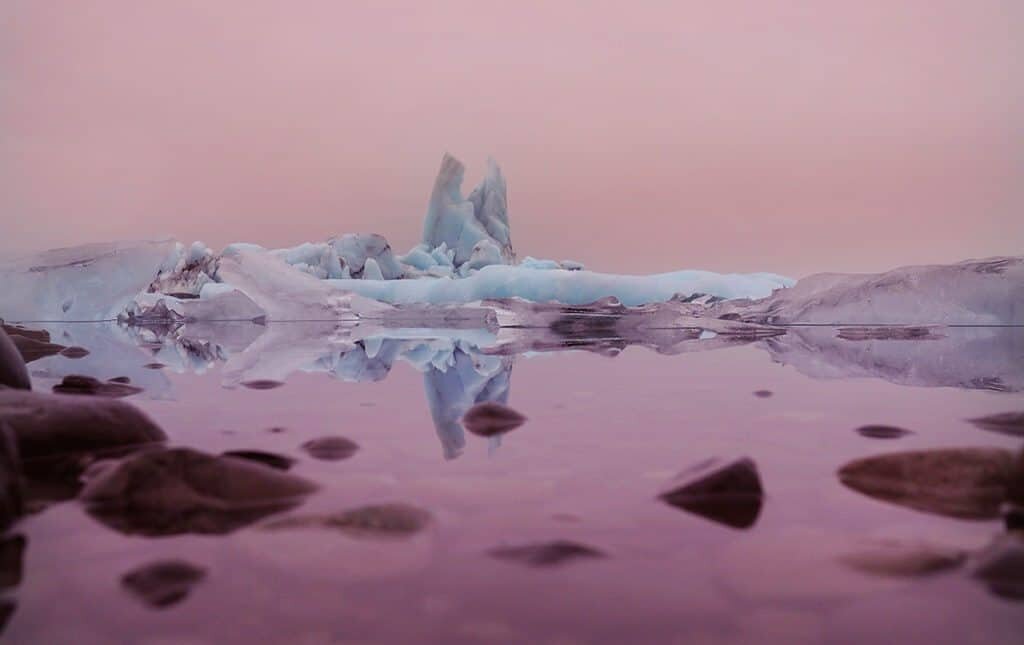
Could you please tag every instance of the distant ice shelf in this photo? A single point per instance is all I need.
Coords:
(465, 273)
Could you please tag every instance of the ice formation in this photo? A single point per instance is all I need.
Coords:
(464, 273)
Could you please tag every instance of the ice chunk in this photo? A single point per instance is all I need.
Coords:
(460, 223)
(973, 292)
(90, 282)
(355, 250)
(567, 287)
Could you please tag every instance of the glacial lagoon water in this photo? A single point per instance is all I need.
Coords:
(608, 429)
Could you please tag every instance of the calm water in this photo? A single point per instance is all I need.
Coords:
(605, 435)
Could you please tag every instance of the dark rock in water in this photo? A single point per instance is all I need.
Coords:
(488, 419)
(969, 483)
(154, 366)
(763, 394)
(45, 425)
(279, 462)
(888, 333)
(882, 432)
(74, 352)
(1001, 566)
(276, 430)
(330, 448)
(895, 558)
(120, 379)
(380, 520)
(546, 554)
(12, 558)
(1011, 423)
(726, 492)
(13, 372)
(40, 335)
(180, 490)
(11, 485)
(77, 384)
(262, 384)
(163, 583)
(7, 608)
(32, 349)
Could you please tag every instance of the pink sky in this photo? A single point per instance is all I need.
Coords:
(783, 136)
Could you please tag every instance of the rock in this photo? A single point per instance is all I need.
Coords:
(163, 583)
(13, 372)
(40, 335)
(120, 379)
(46, 425)
(11, 484)
(78, 384)
(74, 352)
(12, 558)
(381, 520)
(546, 554)
(262, 384)
(32, 349)
(330, 448)
(180, 490)
(280, 462)
(154, 366)
(1011, 423)
(488, 419)
(902, 559)
(1001, 566)
(882, 432)
(968, 483)
(729, 493)
(763, 394)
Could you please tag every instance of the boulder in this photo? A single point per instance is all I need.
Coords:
(13, 372)
(729, 493)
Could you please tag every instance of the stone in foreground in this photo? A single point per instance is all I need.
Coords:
(488, 419)
(729, 493)
(163, 583)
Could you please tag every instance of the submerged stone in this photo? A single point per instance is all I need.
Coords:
(488, 419)
(13, 372)
(163, 583)
(902, 559)
(180, 490)
(882, 432)
(74, 352)
(87, 385)
(32, 349)
(969, 483)
(11, 484)
(1001, 566)
(330, 448)
(262, 384)
(763, 394)
(45, 425)
(379, 520)
(1011, 423)
(273, 460)
(154, 366)
(729, 493)
(546, 554)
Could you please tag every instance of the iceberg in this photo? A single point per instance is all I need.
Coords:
(464, 273)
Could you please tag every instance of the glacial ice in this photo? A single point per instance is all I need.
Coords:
(464, 273)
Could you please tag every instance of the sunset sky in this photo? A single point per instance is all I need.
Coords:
(646, 136)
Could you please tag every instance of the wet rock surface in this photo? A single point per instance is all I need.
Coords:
(163, 583)
(882, 432)
(969, 483)
(1011, 423)
(11, 485)
(379, 520)
(489, 418)
(1001, 566)
(13, 372)
(45, 425)
(280, 462)
(330, 448)
(262, 384)
(899, 558)
(546, 554)
(727, 492)
(180, 490)
(87, 385)
(74, 352)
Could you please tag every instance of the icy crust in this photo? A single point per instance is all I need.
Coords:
(973, 292)
(88, 282)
